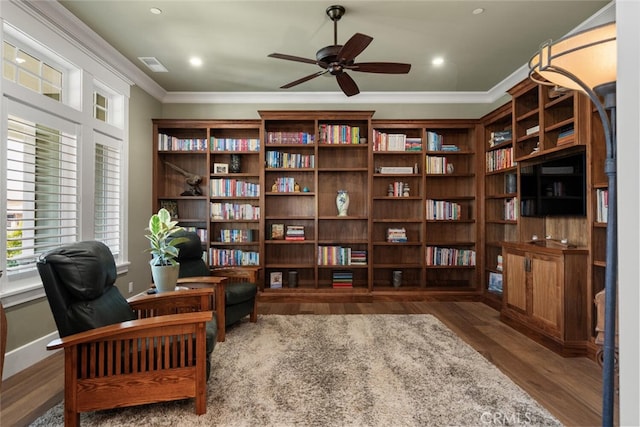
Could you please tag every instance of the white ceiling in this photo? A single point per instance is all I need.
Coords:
(233, 38)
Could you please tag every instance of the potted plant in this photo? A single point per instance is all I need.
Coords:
(164, 267)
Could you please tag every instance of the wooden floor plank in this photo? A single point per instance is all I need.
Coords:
(570, 388)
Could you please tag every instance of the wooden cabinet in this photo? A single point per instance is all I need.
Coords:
(545, 291)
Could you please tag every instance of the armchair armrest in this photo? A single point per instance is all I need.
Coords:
(172, 302)
(132, 327)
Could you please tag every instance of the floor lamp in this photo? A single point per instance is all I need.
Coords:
(586, 61)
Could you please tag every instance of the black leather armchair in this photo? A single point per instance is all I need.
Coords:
(240, 288)
(118, 353)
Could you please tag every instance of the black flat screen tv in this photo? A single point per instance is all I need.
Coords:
(555, 187)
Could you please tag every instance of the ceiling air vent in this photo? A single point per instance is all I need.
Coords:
(153, 64)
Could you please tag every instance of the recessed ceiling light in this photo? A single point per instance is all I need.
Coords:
(438, 60)
(478, 11)
(195, 61)
(155, 11)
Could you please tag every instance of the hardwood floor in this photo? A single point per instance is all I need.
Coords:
(570, 388)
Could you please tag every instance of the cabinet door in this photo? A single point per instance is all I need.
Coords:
(515, 281)
(545, 292)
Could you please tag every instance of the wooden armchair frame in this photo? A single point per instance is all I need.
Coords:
(159, 357)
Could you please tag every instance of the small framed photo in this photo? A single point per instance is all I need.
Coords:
(220, 168)
(277, 231)
(275, 279)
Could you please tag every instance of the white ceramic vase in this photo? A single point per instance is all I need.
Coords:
(342, 202)
(165, 277)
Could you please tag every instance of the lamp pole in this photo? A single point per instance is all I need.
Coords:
(592, 54)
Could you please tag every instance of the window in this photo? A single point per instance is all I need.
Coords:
(41, 191)
(107, 221)
(30, 72)
(100, 106)
(62, 164)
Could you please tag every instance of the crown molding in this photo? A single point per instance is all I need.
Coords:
(56, 17)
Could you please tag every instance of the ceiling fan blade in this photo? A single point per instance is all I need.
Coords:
(292, 58)
(346, 83)
(304, 79)
(380, 67)
(353, 47)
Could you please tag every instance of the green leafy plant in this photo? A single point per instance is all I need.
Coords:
(163, 246)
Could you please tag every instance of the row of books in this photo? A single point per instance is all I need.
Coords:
(500, 136)
(443, 210)
(234, 144)
(290, 138)
(340, 255)
(237, 211)
(399, 189)
(172, 143)
(230, 187)
(278, 159)
(450, 256)
(285, 184)
(339, 134)
(201, 232)
(342, 279)
(395, 142)
(438, 165)
(499, 159)
(232, 257)
(396, 234)
(602, 204)
(236, 236)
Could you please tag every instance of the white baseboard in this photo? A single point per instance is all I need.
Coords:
(29, 354)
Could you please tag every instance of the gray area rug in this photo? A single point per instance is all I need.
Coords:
(341, 370)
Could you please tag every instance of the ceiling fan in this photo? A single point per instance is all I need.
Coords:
(336, 59)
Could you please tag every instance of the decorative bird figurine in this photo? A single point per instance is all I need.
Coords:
(192, 180)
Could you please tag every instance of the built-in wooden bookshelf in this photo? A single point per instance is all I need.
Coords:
(431, 202)
(547, 124)
(334, 152)
(224, 208)
(501, 205)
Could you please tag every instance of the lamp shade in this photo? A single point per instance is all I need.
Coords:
(589, 56)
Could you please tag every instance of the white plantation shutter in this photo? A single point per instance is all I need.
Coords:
(42, 188)
(108, 189)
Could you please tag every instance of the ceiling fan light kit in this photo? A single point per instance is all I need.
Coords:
(336, 59)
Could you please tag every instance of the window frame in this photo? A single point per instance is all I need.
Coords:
(76, 106)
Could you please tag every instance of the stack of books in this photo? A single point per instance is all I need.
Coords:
(294, 232)
(342, 279)
(396, 235)
(566, 135)
(358, 257)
